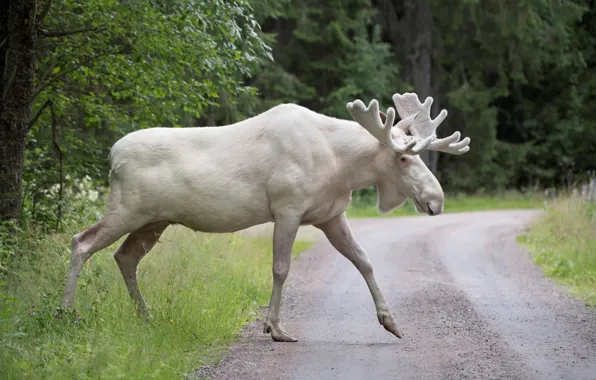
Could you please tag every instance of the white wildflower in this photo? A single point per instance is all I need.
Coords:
(93, 195)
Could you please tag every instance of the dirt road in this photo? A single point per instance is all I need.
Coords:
(467, 298)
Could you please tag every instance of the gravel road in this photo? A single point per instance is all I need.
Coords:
(467, 298)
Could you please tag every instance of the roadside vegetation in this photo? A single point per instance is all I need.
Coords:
(563, 244)
(202, 290)
(364, 206)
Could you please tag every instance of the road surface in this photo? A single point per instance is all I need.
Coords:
(467, 298)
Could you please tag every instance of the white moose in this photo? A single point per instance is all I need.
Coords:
(288, 165)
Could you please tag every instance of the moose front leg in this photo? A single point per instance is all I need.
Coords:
(340, 236)
(284, 234)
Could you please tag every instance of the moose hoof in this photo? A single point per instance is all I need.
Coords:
(144, 313)
(278, 334)
(387, 321)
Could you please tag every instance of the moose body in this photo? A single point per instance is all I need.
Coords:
(225, 179)
(288, 165)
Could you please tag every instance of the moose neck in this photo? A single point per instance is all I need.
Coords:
(361, 158)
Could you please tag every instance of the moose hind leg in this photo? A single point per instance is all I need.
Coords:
(85, 244)
(130, 253)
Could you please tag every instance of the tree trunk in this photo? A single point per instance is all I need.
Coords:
(409, 26)
(420, 56)
(17, 55)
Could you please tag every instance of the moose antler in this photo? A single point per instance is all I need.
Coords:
(370, 118)
(424, 126)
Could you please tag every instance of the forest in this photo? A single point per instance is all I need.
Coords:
(517, 77)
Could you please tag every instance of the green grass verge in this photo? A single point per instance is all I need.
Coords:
(563, 244)
(453, 203)
(201, 288)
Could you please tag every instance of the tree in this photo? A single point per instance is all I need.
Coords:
(108, 67)
(508, 74)
(18, 36)
(409, 26)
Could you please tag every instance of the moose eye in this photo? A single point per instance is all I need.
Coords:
(403, 160)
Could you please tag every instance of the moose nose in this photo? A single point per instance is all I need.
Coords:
(434, 208)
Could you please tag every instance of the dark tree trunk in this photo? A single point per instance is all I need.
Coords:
(17, 70)
(409, 26)
(420, 56)
(433, 157)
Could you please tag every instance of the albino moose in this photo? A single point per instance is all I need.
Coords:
(288, 165)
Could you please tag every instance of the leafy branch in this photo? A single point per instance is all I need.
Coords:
(64, 33)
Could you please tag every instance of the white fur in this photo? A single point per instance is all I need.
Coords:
(288, 165)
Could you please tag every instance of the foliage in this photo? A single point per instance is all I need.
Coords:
(137, 64)
(512, 77)
(75, 203)
(517, 77)
(327, 54)
(563, 243)
(147, 63)
(201, 288)
(66, 203)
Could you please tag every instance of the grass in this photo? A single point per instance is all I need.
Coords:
(563, 243)
(453, 203)
(201, 288)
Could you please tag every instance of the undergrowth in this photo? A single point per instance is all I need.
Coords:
(201, 288)
(563, 243)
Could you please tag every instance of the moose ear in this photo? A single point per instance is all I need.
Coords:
(383, 117)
